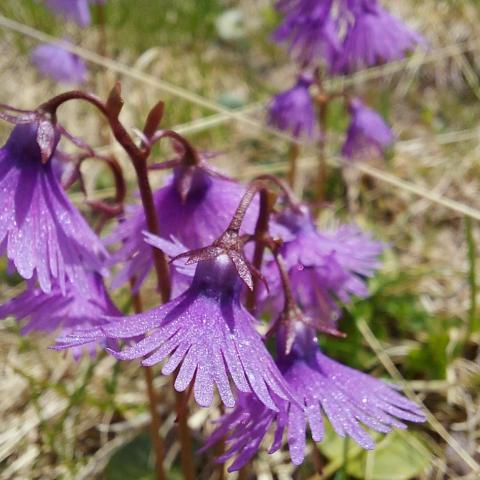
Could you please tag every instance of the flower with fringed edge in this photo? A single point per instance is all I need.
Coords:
(42, 234)
(347, 397)
(206, 333)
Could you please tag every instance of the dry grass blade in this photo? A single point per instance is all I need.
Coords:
(362, 76)
(223, 113)
(397, 376)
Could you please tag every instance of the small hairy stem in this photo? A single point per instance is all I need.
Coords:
(190, 156)
(244, 472)
(286, 285)
(152, 403)
(267, 201)
(293, 153)
(159, 258)
(220, 450)
(181, 408)
(138, 156)
(321, 181)
(245, 202)
(155, 424)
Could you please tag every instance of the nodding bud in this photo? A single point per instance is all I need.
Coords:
(115, 101)
(47, 135)
(154, 119)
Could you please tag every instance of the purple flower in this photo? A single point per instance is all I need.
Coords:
(375, 37)
(367, 134)
(293, 109)
(75, 10)
(314, 31)
(194, 207)
(323, 267)
(347, 397)
(78, 309)
(310, 31)
(206, 333)
(59, 64)
(41, 232)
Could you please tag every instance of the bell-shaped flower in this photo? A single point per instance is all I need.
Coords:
(373, 38)
(55, 312)
(194, 207)
(293, 110)
(324, 267)
(43, 235)
(348, 398)
(59, 64)
(310, 31)
(367, 135)
(205, 333)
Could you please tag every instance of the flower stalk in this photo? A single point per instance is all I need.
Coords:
(320, 187)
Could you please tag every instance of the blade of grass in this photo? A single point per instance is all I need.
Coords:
(397, 376)
(473, 324)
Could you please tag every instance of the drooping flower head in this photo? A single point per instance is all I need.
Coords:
(310, 31)
(42, 234)
(293, 110)
(77, 309)
(77, 11)
(374, 37)
(367, 134)
(344, 35)
(324, 267)
(59, 64)
(195, 207)
(347, 397)
(207, 334)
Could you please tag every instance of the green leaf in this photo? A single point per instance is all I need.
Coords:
(133, 461)
(398, 456)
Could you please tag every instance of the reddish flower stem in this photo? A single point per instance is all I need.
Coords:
(267, 201)
(293, 154)
(190, 156)
(186, 459)
(320, 187)
(245, 202)
(153, 401)
(138, 156)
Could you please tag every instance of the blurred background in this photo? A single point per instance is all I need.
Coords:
(89, 419)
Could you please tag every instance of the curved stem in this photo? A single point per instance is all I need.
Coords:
(286, 190)
(190, 156)
(138, 156)
(267, 201)
(237, 219)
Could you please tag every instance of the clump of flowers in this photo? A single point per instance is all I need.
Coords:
(237, 252)
(331, 38)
